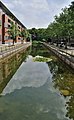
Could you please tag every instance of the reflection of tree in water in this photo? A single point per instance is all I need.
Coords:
(9, 66)
(63, 79)
(63, 76)
(39, 49)
(71, 107)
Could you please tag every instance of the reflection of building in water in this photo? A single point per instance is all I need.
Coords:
(9, 65)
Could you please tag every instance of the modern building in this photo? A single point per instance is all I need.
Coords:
(6, 18)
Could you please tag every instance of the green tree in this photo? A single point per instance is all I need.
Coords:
(71, 14)
(13, 32)
(23, 35)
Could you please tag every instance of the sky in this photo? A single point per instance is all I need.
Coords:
(36, 13)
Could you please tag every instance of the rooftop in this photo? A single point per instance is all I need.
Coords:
(9, 13)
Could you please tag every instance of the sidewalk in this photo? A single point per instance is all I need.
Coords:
(69, 50)
(66, 55)
(6, 47)
(7, 50)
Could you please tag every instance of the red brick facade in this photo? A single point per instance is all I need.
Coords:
(0, 26)
(6, 17)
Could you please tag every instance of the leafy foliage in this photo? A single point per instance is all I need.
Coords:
(13, 31)
(61, 29)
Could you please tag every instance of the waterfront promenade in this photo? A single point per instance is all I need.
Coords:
(6, 49)
(67, 55)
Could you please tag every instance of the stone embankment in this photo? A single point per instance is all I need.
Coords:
(66, 56)
(10, 50)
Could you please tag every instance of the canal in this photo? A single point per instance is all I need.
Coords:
(36, 85)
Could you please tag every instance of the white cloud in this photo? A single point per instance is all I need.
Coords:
(40, 5)
(35, 13)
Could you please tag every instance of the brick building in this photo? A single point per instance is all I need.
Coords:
(6, 18)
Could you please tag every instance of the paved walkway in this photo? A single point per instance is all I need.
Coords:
(69, 50)
(6, 49)
(67, 55)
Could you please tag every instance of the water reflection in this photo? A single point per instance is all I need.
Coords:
(33, 104)
(9, 66)
(35, 90)
(63, 78)
(30, 74)
(30, 95)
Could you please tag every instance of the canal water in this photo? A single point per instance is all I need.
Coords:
(36, 85)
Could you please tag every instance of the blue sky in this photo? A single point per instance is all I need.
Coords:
(36, 13)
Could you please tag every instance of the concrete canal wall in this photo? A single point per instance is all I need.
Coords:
(10, 61)
(64, 56)
(12, 50)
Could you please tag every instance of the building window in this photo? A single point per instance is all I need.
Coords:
(9, 20)
(19, 27)
(5, 37)
(9, 37)
(18, 38)
(9, 26)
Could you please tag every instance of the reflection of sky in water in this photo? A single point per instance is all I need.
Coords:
(30, 74)
(32, 95)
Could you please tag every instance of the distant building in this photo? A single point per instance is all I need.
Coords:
(6, 17)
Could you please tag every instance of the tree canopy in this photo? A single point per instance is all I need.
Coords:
(62, 28)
